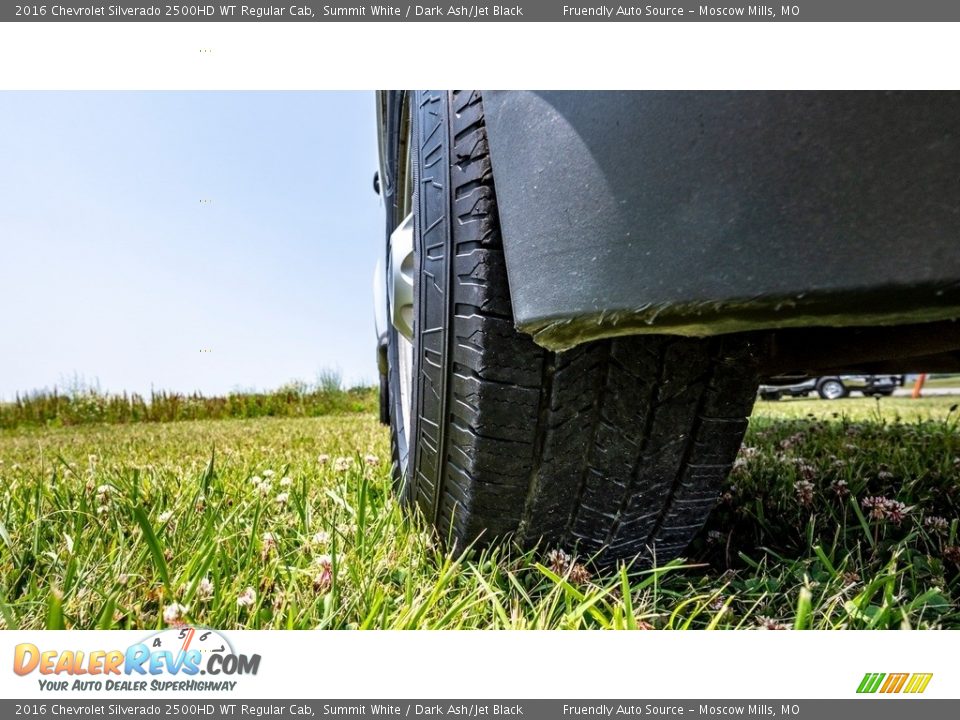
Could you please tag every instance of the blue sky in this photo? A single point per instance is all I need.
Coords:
(112, 269)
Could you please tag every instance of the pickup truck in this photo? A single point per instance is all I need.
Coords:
(580, 293)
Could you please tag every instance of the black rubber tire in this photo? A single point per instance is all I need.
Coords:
(821, 388)
(615, 449)
(770, 396)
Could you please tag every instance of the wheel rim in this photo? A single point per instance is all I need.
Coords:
(405, 362)
(832, 390)
(401, 308)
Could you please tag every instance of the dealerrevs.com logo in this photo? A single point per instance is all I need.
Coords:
(888, 683)
(170, 660)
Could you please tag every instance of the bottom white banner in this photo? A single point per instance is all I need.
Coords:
(196, 662)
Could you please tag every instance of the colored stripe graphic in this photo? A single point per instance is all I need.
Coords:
(918, 682)
(894, 683)
(870, 682)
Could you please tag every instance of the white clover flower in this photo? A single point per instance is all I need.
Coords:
(205, 590)
(342, 464)
(256, 480)
(323, 459)
(286, 482)
(282, 498)
(268, 474)
(321, 537)
(347, 529)
(371, 460)
(173, 613)
(559, 561)
(164, 516)
(247, 598)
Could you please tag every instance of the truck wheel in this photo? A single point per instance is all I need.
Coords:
(615, 449)
(831, 389)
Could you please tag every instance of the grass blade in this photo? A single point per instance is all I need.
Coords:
(153, 544)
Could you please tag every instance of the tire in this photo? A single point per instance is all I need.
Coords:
(384, 400)
(831, 388)
(770, 396)
(615, 449)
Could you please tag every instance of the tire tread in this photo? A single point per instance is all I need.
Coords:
(615, 448)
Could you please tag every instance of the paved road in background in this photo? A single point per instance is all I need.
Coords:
(927, 392)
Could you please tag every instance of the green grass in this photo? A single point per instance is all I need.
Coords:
(107, 526)
(86, 406)
(892, 409)
(938, 381)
